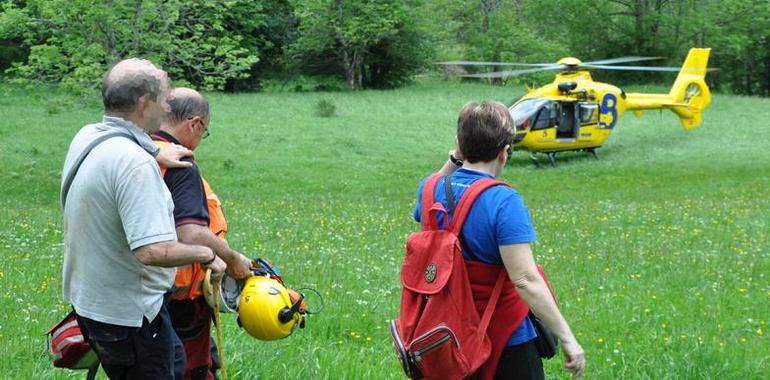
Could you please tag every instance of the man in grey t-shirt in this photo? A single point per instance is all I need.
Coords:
(119, 233)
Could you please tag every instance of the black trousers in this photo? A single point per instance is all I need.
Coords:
(520, 362)
(152, 351)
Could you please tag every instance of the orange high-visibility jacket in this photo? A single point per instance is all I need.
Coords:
(189, 278)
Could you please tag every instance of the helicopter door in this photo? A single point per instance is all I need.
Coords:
(567, 123)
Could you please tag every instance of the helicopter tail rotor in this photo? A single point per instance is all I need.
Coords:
(690, 88)
(689, 95)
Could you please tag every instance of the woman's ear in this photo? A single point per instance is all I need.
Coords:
(502, 155)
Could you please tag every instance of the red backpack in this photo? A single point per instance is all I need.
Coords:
(439, 334)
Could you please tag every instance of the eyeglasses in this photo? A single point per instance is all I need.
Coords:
(204, 126)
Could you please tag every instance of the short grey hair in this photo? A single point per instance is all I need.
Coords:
(122, 92)
(186, 104)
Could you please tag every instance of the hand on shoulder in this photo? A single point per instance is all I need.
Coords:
(171, 156)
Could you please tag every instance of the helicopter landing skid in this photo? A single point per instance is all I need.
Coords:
(534, 159)
(551, 159)
(552, 156)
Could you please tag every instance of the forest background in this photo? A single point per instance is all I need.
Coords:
(659, 251)
(331, 45)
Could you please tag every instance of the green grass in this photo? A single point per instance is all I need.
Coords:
(659, 251)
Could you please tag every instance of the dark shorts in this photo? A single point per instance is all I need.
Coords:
(520, 362)
(152, 351)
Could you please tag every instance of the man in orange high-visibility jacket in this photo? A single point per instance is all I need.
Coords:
(199, 220)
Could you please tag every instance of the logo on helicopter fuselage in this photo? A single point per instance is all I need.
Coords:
(608, 112)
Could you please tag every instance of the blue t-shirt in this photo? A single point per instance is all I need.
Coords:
(498, 217)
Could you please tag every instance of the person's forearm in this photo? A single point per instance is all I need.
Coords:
(172, 254)
(448, 168)
(534, 291)
(201, 235)
(522, 270)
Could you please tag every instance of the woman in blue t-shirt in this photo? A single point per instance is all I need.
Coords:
(498, 231)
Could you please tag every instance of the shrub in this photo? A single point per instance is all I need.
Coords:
(325, 108)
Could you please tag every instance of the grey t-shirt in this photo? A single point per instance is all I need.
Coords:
(117, 203)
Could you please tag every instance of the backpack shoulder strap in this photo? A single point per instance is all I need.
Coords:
(428, 219)
(467, 200)
(492, 303)
(451, 201)
(76, 166)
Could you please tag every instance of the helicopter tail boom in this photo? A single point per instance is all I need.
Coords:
(689, 95)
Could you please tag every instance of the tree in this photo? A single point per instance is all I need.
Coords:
(73, 41)
(736, 30)
(493, 30)
(352, 31)
(739, 33)
(271, 39)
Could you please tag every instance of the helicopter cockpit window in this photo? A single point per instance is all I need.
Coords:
(527, 114)
(588, 113)
(546, 117)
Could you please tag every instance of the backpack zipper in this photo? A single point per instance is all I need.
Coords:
(417, 354)
(401, 350)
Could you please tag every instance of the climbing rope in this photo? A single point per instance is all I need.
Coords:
(218, 324)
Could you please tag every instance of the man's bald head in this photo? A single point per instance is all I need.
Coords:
(128, 81)
(186, 103)
(188, 117)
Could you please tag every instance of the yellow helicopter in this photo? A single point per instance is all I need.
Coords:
(574, 112)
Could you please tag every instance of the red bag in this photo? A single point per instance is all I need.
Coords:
(67, 346)
(439, 334)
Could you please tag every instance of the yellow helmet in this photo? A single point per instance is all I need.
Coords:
(266, 311)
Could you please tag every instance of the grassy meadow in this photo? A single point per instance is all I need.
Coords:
(659, 251)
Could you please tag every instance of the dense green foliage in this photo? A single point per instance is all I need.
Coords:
(738, 32)
(375, 43)
(659, 251)
(72, 42)
(331, 44)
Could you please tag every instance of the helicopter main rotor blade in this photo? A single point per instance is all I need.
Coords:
(481, 63)
(613, 61)
(631, 68)
(505, 74)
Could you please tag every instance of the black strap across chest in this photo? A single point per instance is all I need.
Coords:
(76, 166)
(451, 201)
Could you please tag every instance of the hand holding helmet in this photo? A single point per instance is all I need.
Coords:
(266, 309)
(239, 267)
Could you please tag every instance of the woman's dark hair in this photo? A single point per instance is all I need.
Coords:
(483, 129)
